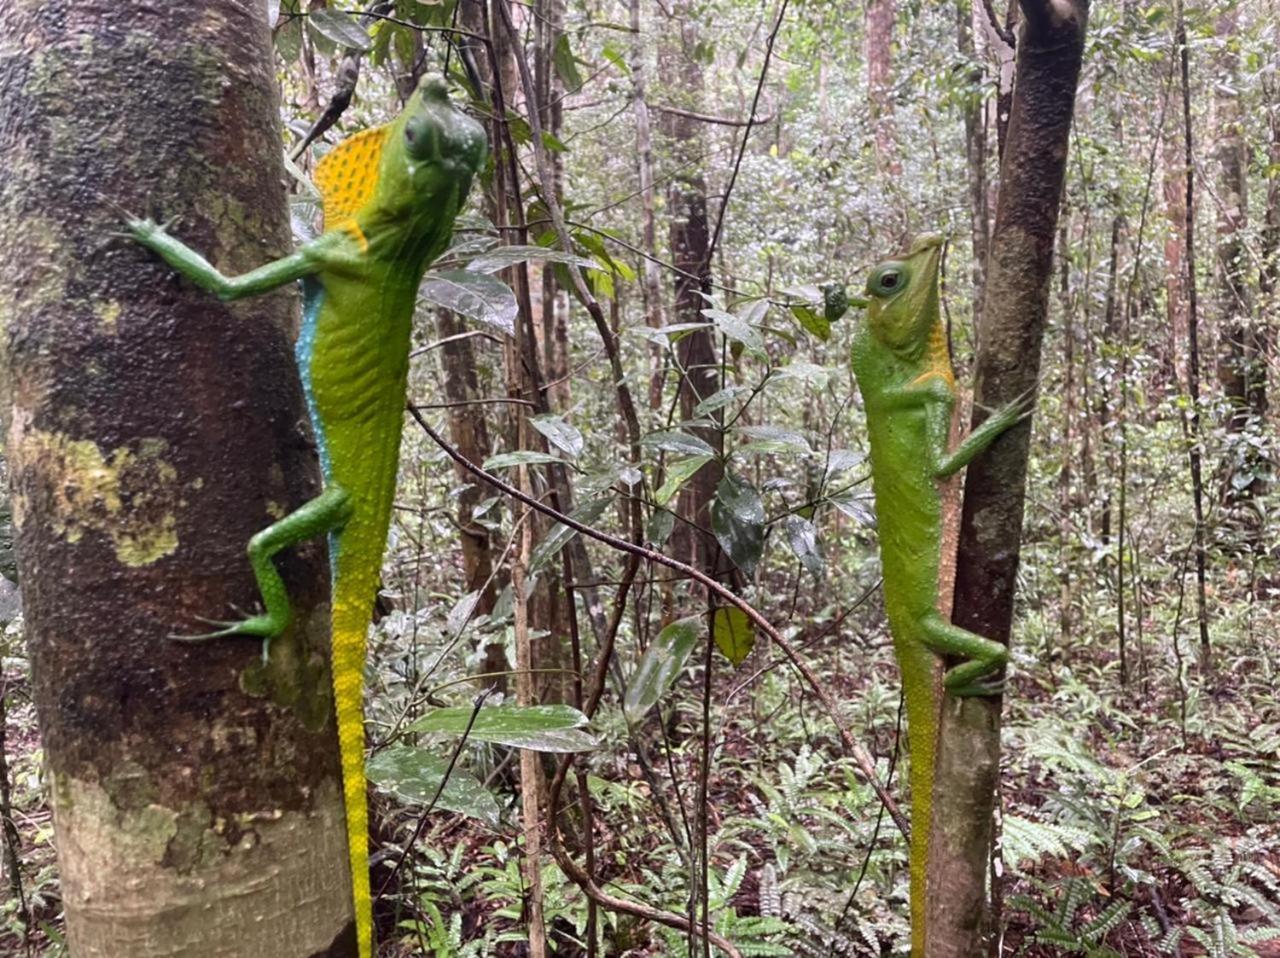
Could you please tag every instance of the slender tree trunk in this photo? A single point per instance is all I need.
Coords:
(1191, 424)
(1066, 476)
(469, 433)
(1269, 274)
(152, 430)
(1175, 252)
(1050, 48)
(878, 50)
(651, 288)
(1241, 362)
(975, 148)
(690, 241)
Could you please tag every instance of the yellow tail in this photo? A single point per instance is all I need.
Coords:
(350, 624)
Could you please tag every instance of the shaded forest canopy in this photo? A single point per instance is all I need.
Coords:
(643, 323)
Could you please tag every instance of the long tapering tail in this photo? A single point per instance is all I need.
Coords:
(350, 624)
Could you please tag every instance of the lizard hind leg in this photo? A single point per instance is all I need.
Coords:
(979, 674)
(325, 513)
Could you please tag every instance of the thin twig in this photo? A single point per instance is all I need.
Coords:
(858, 753)
(746, 134)
(444, 779)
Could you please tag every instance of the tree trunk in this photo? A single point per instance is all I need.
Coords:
(469, 433)
(152, 430)
(1242, 362)
(651, 289)
(690, 242)
(878, 50)
(1050, 47)
(1175, 253)
(975, 148)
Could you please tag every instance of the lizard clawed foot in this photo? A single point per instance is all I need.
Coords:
(981, 688)
(260, 626)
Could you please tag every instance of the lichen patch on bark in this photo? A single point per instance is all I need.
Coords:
(130, 493)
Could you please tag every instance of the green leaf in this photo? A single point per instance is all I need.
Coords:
(553, 142)
(340, 27)
(288, 39)
(842, 460)
(524, 457)
(474, 295)
(614, 56)
(559, 433)
(735, 328)
(413, 774)
(803, 538)
(661, 663)
(560, 534)
(660, 525)
(678, 473)
(500, 257)
(737, 519)
(776, 439)
(811, 322)
(858, 507)
(733, 634)
(460, 614)
(540, 728)
(566, 64)
(678, 442)
(718, 400)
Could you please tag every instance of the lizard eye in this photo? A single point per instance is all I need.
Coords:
(888, 280)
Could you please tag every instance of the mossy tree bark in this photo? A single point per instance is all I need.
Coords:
(151, 431)
(1049, 51)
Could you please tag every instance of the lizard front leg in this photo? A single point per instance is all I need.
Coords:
(978, 675)
(325, 513)
(304, 261)
(981, 437)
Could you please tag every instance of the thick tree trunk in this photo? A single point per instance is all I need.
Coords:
(1050, 47)
(152, 430)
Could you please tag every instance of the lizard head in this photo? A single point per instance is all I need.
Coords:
(441, 147)
(903, 293)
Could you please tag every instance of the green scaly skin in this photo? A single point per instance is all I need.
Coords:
(904, 372)
(360, 280)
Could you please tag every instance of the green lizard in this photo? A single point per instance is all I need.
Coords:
(390, 194)
(904, 372)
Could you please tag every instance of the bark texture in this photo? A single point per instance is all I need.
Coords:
(690, 238)
(1050, 47)
(1242, 360)
(151, 431)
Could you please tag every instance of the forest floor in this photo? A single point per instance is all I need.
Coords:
(1137, 821)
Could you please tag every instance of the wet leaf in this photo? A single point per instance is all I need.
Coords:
(661, 663)
(342, 28)
(473, 295)
(540, 728)
(733, 633)
(559, 433)
(678, 473)
(413, 774)
(737, 519)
